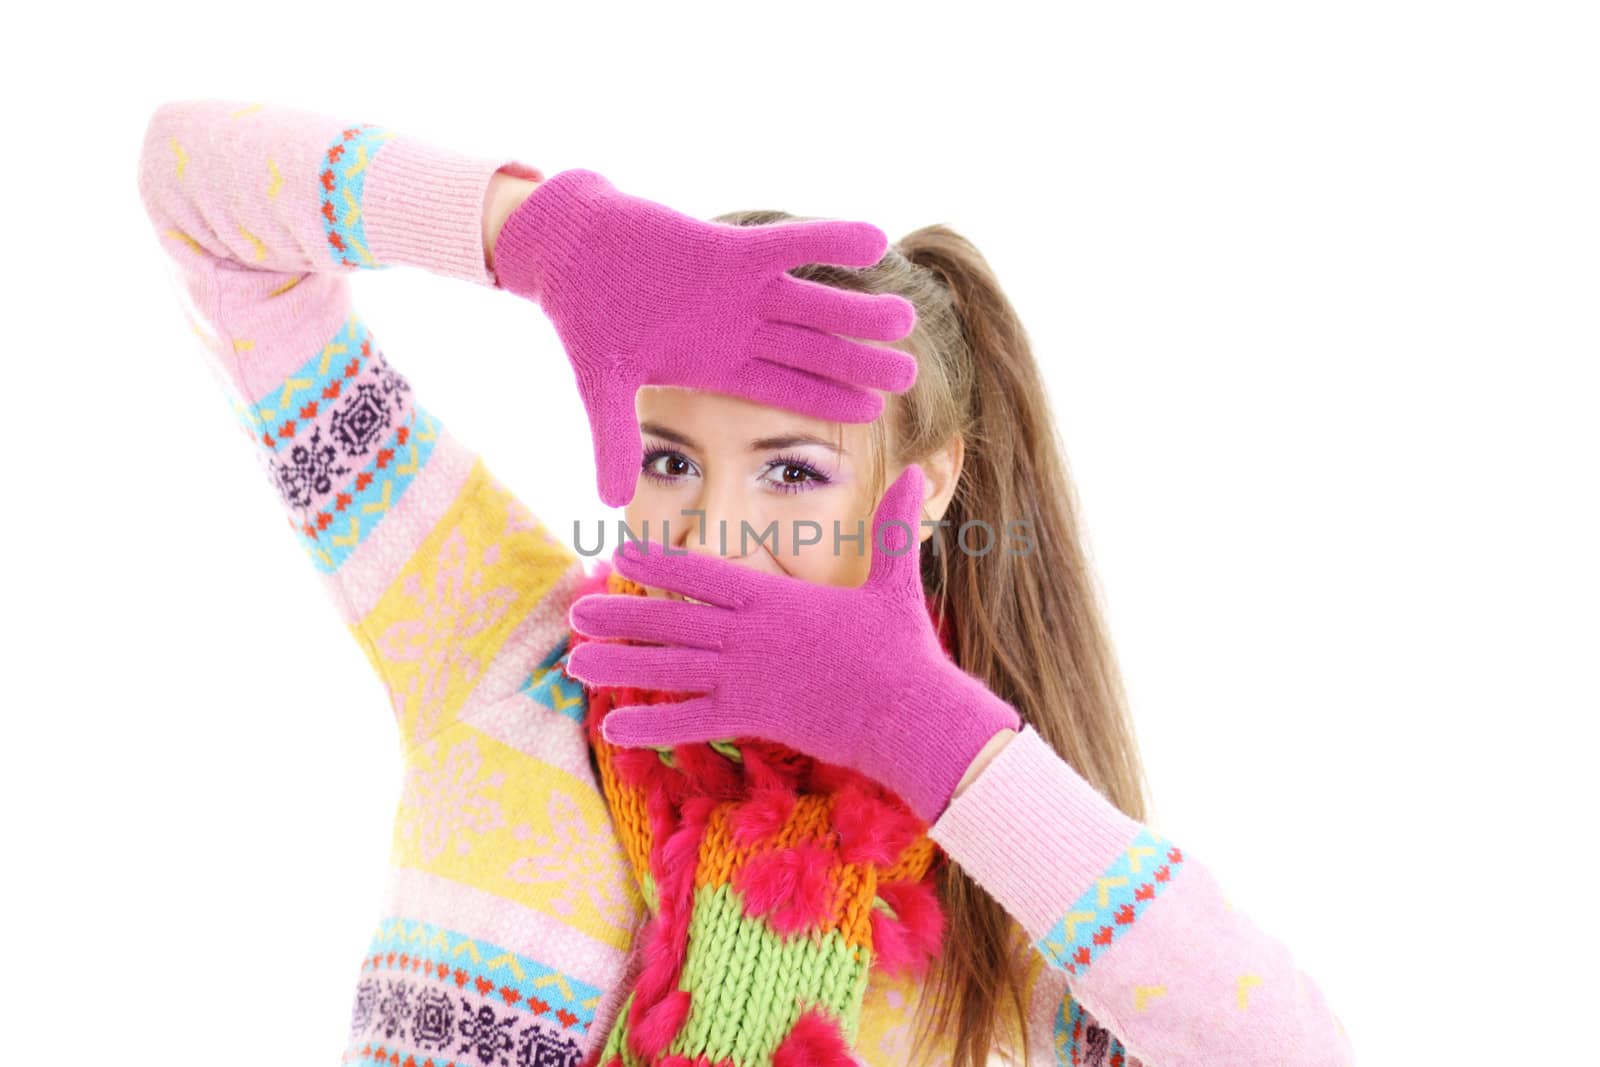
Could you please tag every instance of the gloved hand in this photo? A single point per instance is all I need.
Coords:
(855, 677)
(642, 295)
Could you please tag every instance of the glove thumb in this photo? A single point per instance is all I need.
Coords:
(896, 533)
(614, 426)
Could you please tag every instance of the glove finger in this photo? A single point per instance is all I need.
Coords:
(614, 425)
(786, 245)
(869, 316)
(675, 670)
(644, 618)
(716, 581)
(844, 361)
(898, 516)
(793, 389)
(681, 723)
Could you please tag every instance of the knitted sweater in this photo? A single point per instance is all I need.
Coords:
(508, 928)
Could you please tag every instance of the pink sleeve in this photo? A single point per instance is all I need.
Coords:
(444, 579)
(1152, 948)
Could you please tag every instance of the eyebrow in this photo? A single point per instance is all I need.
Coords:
(760, 444)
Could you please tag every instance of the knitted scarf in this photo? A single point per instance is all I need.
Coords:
(775, 883)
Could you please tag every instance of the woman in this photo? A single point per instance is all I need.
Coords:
(830, 858)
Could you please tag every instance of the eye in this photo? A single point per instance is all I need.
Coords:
(795, 475)
(665, 465)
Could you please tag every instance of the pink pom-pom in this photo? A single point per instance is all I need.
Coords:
(891, 949)
(709, 771)
(651, 1034)
(659, 972)
(790, 886)
(681, 849)
(769, 766)
(870, 831)
(815, 1041)
(910, 941)
(760, 817)
(831, 778)
(642, 767)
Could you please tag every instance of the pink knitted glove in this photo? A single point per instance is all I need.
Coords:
(641, 295)
(851, 676)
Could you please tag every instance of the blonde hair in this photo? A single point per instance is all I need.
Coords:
(1029, 623)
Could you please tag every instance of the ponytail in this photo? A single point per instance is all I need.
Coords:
(1024, 615)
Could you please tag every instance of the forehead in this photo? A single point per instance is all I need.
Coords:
(717, 420)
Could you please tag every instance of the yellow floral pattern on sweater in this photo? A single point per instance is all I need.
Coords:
(449, 612)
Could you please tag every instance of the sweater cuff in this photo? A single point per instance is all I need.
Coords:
(423, 206)
(1033, 832)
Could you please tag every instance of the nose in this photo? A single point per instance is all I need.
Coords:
(715, 533)
(713, 523)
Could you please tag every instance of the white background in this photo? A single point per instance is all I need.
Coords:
(1315, 289)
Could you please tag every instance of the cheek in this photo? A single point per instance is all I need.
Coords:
(839, 561)
(646, 515)
(820, 565)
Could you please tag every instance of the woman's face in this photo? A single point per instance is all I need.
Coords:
(732, 478)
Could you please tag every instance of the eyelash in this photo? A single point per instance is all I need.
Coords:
(812, 475)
